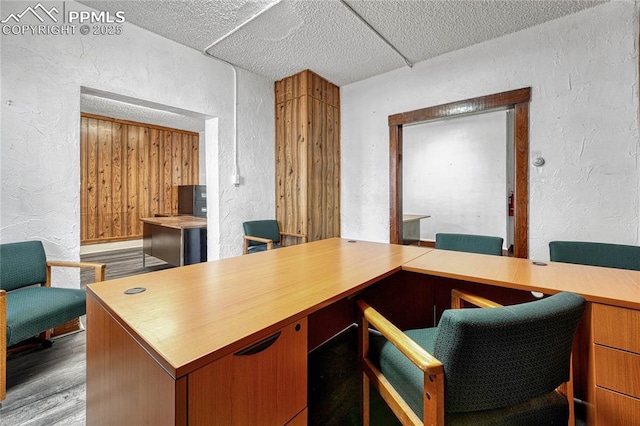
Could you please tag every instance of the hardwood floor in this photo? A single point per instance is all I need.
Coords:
(47, 386)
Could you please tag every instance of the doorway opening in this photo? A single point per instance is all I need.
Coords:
(516, 105)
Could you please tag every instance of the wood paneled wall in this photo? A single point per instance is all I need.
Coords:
(130, 170)
(308, 156)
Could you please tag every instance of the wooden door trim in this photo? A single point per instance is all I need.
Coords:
(516, 100)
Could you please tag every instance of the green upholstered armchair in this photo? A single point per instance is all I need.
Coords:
(498, 366)
(596, 254)
(29, 306)
(261, 235)
(482, 244)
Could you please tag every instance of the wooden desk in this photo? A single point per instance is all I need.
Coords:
(166, 354)
(178, 240)
(617, 287)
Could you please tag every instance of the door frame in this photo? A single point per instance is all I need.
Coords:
(515, 100)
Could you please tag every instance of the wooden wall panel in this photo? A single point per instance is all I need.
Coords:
(117, 156)
(130, 170)
(308, 156)
(104, 178)
(154, 169)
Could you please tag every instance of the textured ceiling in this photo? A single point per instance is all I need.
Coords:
(279, 38)
(117, 106)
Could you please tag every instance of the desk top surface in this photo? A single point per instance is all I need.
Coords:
(414, 217)
(176, 222)
(192, 315)
(618, 287)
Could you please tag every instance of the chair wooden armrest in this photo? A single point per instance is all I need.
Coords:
(3, 344)
(303, 238)
(458, 296)
(433, 370)
(99, 269)
(420, 357)
(247, 238)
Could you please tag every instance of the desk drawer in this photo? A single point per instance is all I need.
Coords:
(616, 327)
(615, 409)
(265, 383)
(618, 370)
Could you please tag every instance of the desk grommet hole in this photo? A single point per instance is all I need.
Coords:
(352, 241)
(538, 263)
(135, 290)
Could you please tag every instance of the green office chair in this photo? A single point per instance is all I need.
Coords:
(29, 305)
(596, 254)
(496, 366)
(482, 244)
(261, 235)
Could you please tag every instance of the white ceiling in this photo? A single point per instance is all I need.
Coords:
(276, 39)
(279, 38)
(123, 107)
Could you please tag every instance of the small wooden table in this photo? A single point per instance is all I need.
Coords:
(411, 228)
(178, 240)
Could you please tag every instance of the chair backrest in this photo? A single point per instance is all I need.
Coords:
(264, 229)
(498, 357)
(482, 244)
(22, 264)
(596, 254)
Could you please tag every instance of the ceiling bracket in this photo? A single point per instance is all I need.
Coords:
(357, 15)
(240, 26)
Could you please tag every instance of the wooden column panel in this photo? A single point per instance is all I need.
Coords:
(308, 156)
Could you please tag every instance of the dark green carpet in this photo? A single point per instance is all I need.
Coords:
(334, 386)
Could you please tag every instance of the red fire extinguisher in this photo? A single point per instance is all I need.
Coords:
(511, 209)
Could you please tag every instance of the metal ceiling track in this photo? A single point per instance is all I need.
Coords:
(364, 21)
(240, 26)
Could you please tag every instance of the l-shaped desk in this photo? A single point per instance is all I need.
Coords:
(226, 342)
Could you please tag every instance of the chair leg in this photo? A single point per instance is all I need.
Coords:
(366, 420)
(3, 375)
(3, 345)
(31, 343)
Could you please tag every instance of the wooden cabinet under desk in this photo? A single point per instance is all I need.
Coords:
(263, 383)
(616, 364)
(232, 390)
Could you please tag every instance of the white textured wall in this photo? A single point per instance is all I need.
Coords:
(583, 71)
(255, 197)
(455, 171)
(39, 166)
